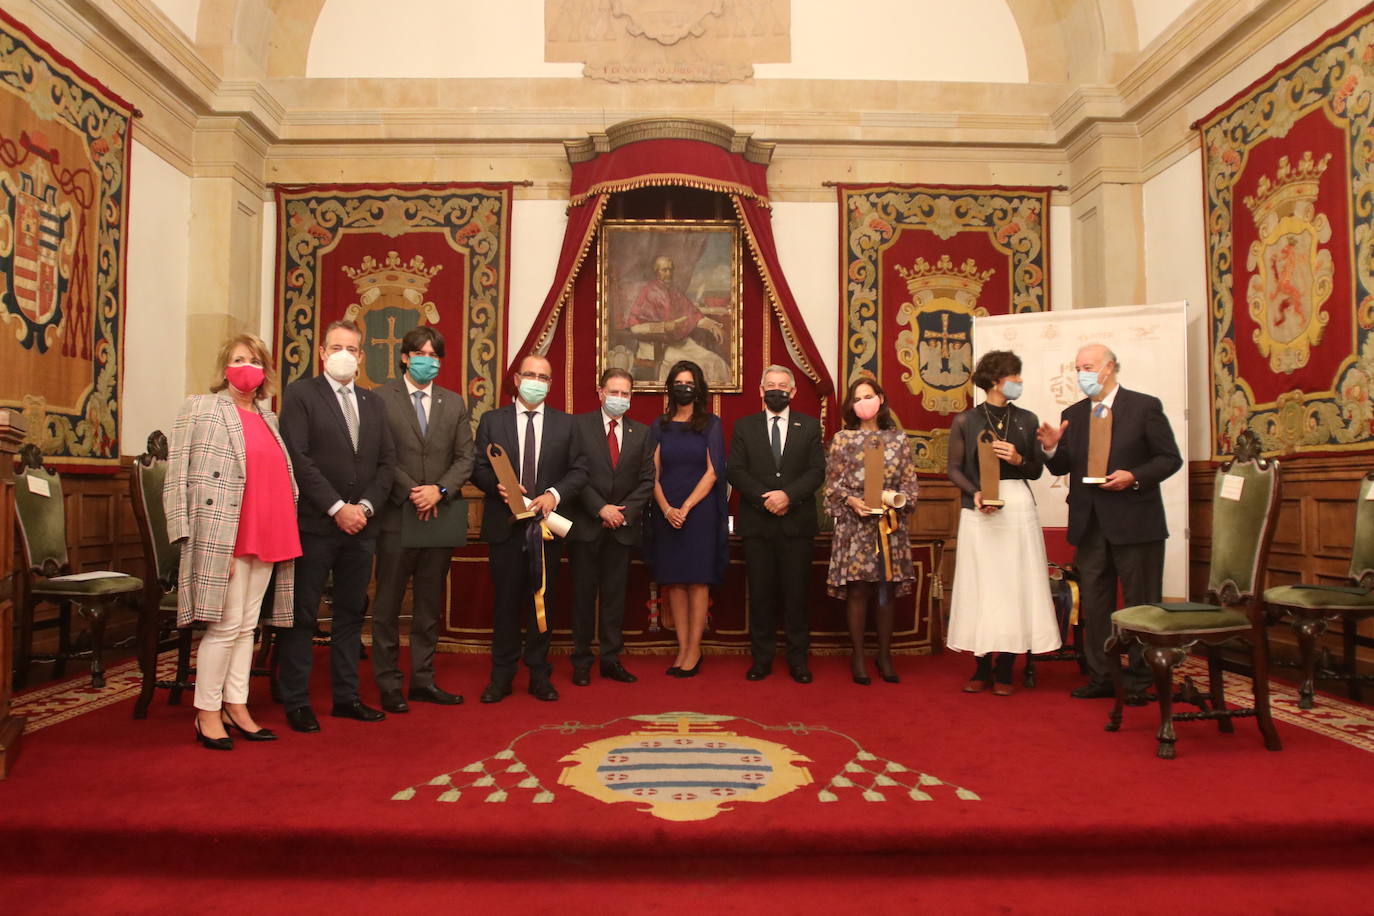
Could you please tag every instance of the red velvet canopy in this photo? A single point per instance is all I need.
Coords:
(702, 165)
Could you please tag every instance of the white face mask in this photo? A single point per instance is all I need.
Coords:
(341, 366)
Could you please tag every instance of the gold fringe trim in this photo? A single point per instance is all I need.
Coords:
(541, 343)
(669, 179)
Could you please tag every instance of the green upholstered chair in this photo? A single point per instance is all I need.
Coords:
(46, 576)
(1245, 500)
(160, 580)
(1311, 608)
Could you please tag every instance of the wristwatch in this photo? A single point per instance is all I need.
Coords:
(366, 510)
(443, 492)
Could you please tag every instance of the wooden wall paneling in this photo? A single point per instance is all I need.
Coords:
(11, 727)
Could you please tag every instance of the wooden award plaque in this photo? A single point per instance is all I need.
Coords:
(989, 471)
(1099, 444)
(500, 463)
(874, 471)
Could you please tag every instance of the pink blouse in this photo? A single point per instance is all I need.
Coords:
(267, 518)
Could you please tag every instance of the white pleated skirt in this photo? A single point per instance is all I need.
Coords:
(1001, 596)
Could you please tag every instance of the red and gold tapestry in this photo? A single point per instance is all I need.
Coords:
(64, 203)
(393, 257)
(1288, 176)
(918, 263)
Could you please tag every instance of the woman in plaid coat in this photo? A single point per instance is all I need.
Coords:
(230, 499)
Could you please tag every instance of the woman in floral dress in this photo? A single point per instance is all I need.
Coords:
(870, 554)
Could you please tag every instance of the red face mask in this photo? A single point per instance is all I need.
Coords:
(245, 377)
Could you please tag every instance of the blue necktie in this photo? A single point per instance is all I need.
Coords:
(419, 397)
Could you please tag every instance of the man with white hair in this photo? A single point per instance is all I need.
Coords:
(777, 464)
(1117, 525)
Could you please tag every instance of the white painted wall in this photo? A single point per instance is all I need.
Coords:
(156, 303)
(808, 237)
(1152, 17)
(183, 13)
(536, 237)
(1176, 269)
(432, 38)
(918, 40)
(1061, 257)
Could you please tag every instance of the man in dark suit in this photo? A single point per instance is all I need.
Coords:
(1118, 526)
(539, 442)
(607, 517)
(433, 437)
(342, 453)
(776, 464)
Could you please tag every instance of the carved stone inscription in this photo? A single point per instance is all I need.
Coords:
(677, 41)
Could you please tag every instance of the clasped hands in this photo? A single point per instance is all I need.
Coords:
(350, 518)
(544, 502)
(675, 516)
(425, 499)
(777, 502)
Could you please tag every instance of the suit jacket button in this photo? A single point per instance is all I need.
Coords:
(216, 474)
(209, 502)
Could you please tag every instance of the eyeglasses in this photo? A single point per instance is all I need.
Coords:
(536, 376)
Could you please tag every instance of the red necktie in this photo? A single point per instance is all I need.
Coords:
(612, 444)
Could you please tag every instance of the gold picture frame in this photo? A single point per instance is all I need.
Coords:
(669, 290)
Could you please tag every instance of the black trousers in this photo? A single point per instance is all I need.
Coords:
(513, 607)
(349, 559)
(426, 569)
(778, 571)
(600, 568)
(1140, 569)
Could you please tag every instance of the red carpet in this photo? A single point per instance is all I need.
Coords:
(955, 802)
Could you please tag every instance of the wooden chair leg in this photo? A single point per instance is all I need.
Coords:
(64, 640)
(1260, 669)
(1114, 647)
(1352, 670)
(1217, 685)
(147, 660)
(96, 615)
(23, 650)
(1162, 660)
(183, 675)
(1307, 629)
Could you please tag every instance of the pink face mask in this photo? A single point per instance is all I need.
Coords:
(868, 408)
(245, 377)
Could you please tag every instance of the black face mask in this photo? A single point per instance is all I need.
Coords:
(776, 399)
(683, 394)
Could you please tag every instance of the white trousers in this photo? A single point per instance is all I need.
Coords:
(224, 660)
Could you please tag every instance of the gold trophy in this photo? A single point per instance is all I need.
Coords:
(989, 471)
(500, 463)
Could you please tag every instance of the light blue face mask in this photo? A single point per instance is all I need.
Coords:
(1013, 390)
(616, 406)
(1089, 383)
(533, 391)
(423, 369)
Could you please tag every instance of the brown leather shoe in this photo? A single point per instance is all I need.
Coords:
(975, 686)
(1003, 690)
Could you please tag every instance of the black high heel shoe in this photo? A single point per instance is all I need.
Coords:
(692, 671)
(262, 734)
(860, 674)
(888, 673)
(674, 671)
(215, 744)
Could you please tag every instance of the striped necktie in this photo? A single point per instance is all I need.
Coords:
(350, 415)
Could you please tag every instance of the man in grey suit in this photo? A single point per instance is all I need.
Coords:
(433, 438)
(606, 519)
(776, 464)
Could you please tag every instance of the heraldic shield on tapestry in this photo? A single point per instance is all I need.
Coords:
(1289, 186)
(920, 264)
(64, 163)
(393, 258)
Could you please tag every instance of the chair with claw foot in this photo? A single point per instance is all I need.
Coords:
(1245, 501)
(46, 575)
(1312, 608)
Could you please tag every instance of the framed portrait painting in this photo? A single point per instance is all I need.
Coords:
(669, 291)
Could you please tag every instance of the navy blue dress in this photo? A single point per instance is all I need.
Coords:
(696, 553)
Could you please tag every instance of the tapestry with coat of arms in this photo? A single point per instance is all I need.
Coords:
(919, 263)
(1288, 177)
(64, 203)
(393, 257)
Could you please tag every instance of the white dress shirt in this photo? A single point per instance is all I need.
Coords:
(426, 402)
(357, 412)
(619, 427)
(781, 424)
(521, 422)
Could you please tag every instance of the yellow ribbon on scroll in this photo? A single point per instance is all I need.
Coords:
(535, 543)
(887, 524)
